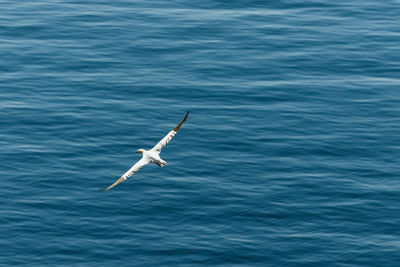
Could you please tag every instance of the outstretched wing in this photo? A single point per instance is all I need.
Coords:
(157, 148)
(143, 161)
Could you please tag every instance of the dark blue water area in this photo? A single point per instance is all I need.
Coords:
(289, 157)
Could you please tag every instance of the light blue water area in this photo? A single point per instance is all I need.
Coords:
(289, 156)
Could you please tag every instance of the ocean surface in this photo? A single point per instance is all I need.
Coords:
(289, 157)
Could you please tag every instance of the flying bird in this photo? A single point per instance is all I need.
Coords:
(150, 156)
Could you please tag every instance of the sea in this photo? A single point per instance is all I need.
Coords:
(289, 157)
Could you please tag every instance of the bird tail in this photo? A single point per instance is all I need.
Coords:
(162, 164)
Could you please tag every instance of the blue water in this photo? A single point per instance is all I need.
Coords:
(290, 155)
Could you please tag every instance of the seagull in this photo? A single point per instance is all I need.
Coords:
(150, 156)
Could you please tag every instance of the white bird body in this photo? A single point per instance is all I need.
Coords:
(150, 156)
(155, 158)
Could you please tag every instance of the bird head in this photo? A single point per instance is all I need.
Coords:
(140, 151)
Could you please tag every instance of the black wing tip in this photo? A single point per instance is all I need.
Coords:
(180, 124)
